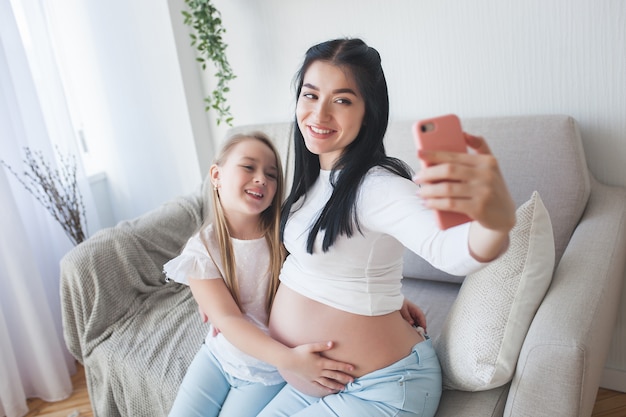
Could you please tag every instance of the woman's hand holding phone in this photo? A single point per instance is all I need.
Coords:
(461, 186)
(441, 134)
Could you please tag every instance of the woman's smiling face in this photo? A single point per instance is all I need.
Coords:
(329, 111)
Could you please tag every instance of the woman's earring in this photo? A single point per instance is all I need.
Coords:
(215, 187)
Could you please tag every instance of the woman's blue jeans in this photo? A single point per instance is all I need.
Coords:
(409, 387)
(207, 390)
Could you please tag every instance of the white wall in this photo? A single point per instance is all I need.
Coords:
(475, 58)
(121, 69)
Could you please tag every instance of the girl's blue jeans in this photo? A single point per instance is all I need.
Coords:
(207, 390)
(409, 387)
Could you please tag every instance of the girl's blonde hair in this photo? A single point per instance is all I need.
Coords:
(270, 223)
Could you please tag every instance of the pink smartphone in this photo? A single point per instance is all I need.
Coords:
(442, 133)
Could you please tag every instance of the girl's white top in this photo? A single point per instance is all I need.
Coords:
(362, 274)
(252, 258)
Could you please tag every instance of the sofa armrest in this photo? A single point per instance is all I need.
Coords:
(107, 277)
(561, 361)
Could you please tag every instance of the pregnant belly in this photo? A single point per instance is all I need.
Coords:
(367, 342)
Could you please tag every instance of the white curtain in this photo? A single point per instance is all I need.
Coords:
(34, 361)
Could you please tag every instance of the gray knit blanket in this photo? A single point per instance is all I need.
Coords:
(134, 332)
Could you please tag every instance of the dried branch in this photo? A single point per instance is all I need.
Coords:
(56, 190)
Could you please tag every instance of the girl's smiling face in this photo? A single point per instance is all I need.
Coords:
(330, 111)
(247, 181)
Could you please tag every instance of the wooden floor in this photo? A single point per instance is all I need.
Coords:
(76, 406)
(608, 403)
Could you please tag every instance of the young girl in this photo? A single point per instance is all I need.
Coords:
(232, 267)
(351, 211)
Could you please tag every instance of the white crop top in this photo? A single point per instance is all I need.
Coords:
(253, 275)
(362, 274)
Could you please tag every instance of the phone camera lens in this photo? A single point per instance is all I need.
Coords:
(427, 127)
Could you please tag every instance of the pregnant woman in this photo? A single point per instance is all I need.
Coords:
(349, 215)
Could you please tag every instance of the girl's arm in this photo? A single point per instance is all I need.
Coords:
(471, 184)
(216, 302)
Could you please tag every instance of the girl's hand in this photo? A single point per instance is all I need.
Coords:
(203, 315)
(308, 364)
(205, 319)
(413, 314)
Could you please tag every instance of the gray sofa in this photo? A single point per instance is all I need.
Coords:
(135, 334)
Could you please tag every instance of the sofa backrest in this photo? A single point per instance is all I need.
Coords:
(537, 152)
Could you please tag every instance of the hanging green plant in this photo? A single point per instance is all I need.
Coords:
(206, 22)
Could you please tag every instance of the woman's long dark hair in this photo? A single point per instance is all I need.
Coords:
(366, 151)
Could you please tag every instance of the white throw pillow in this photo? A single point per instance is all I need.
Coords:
(483, 334)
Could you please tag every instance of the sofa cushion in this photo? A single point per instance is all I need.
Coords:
(484, 331)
